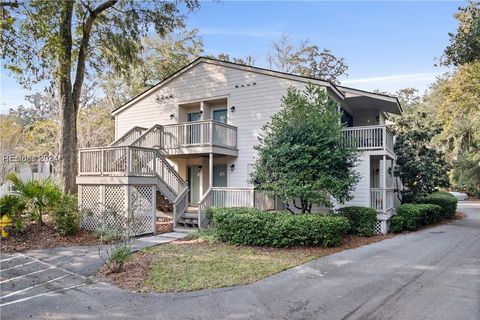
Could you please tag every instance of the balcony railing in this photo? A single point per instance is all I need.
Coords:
(189, 134)
(369, 138)
(199, 133)
(382, 199)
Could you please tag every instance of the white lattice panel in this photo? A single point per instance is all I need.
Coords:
(378, 227)
(142, 209)
(114, 214)
(91, 206)
(105, 208)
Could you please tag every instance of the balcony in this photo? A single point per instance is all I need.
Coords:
(381, 199)
(194, 137)
(369, 138)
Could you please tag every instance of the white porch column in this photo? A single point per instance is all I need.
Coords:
(384, 191)
(210, 170)
(203, 116)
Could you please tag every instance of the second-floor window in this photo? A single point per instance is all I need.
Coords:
(220, 115)
(194, 116)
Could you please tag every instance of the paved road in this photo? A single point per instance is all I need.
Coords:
(430, 274)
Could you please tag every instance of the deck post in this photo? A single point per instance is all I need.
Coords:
(154, 208)
(210, 170)
(384, 173)
(384, 139)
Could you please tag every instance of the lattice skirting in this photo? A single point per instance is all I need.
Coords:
(378, 227)
(118, 207)
(381, 227)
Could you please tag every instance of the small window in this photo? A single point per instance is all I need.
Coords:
(34, 167)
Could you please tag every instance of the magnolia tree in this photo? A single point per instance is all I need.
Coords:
(301, 157)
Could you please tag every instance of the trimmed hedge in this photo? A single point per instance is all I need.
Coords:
(362, 219)
(248, 226)
(445, 200)
(397, 224)
(416, 215)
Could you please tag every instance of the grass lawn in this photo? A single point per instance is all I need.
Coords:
(195, 264)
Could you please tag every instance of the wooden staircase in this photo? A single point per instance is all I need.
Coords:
(163, 204)
(189, 219)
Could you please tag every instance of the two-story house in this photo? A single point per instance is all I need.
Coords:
(188, 143)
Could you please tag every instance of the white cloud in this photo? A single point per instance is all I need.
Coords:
(394, 82)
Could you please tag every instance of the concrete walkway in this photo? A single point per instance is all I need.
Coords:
(431, 274)
(86, 260)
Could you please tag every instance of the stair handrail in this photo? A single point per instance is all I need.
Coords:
(139, 140)
(178, 211)
(126, 135)
(171, 170)
(202, 205)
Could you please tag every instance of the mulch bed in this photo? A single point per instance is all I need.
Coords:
(36, 236)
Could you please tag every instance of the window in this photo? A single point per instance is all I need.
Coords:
(220, 115)
(34, 167)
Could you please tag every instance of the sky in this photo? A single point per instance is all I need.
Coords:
(387, 45)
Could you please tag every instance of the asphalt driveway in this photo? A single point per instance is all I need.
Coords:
(430, 274)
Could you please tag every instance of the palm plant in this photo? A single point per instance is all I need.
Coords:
(39, 195)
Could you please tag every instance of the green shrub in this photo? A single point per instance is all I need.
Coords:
(39, 196)
(445, 200)
(109, 235)
(249, 226)
(9, 204)
(117, 257)
(65, 215)
(415, 215)
(362, 220)
(397, 224)
(13, 206)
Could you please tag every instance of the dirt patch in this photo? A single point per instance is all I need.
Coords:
(134, 274)
(36, 236)
(137, 270)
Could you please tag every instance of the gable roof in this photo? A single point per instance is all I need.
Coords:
(337, 90)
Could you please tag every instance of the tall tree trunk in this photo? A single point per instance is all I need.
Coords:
(69, 97)
(68, 114)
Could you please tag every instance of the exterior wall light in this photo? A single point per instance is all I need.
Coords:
(232, 108)
(172, 116)
(232, 167)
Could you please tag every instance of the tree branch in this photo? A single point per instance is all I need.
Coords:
(13, 4)
(82, 53)
(295, 205)
(288, 208)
